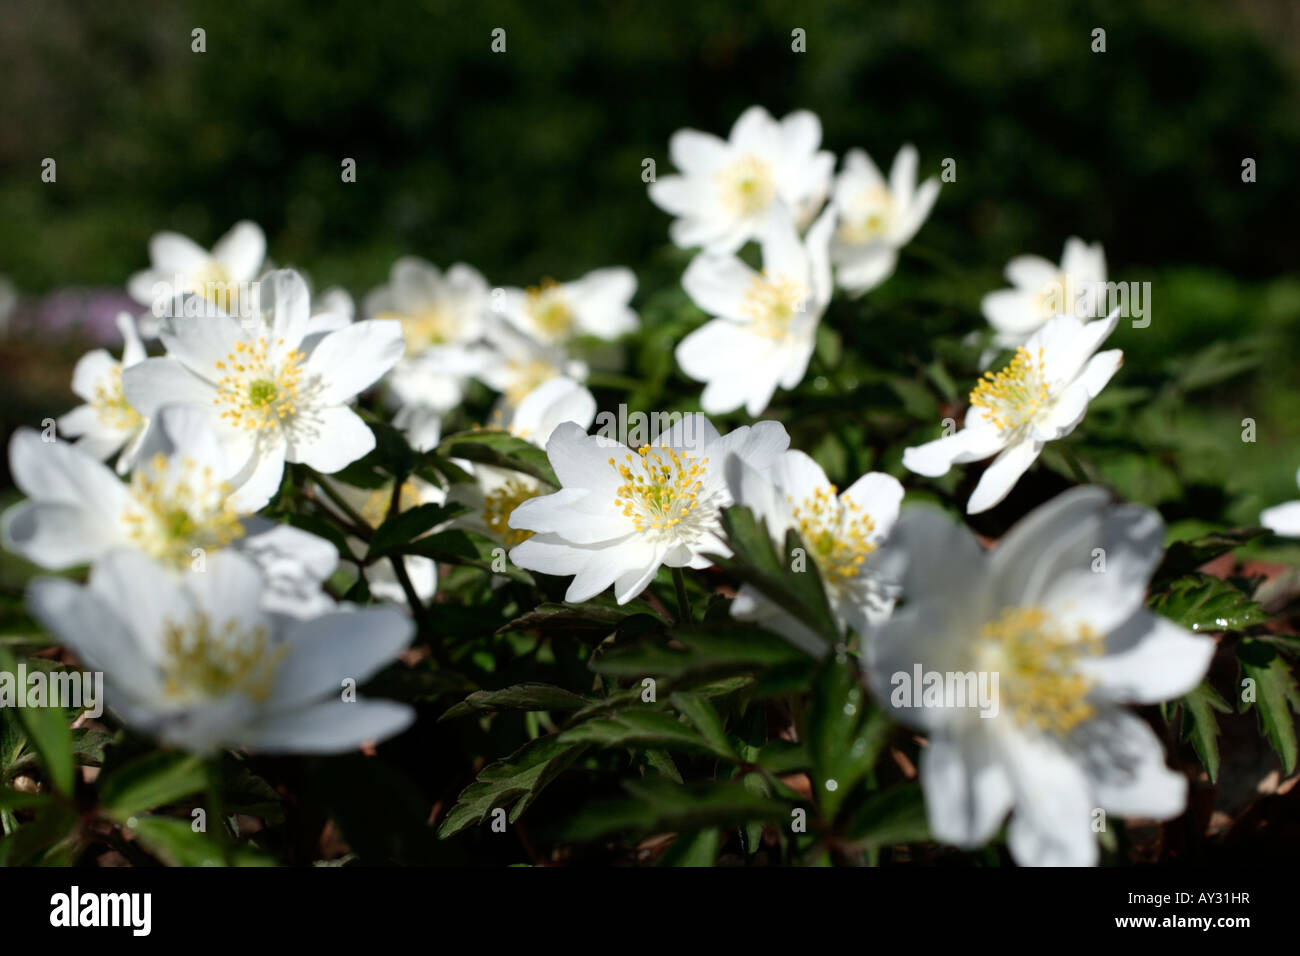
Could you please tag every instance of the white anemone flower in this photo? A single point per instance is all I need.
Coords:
(1040, 396)
(1056, 612)
(443, 317)
(621, 514)
(726, 188)
(106, 423)
(554, 313)
(496, 492)
(178, 266)
(840, 532)
(766, 322)
(514, 364)
(1283, 519)
(876, 218)
(1041, 290)
(175, 508)
(273, 390)
(197, 663)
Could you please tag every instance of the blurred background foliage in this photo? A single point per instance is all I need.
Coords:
(528, 164)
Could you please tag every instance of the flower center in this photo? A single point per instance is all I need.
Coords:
(257, 390)
(202, 661)
(1054, 297)
(1037, 667)
(771, 302)
(837, 531)
(525, 376)
(501, 502)
(1014, 395)
(868, 215)
(110, 403)
(178, 506)
(434, 326)
(747, 186)
(549, 309)
(661, 488)
(375, 508)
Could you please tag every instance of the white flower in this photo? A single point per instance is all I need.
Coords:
(1283, 519)
(766, 323)
(1041, 395)
(175, 508)
(443, 316)
(839, 531)
(1068, 643)
(622, 514)
(273, 391)
(554, 313)
(107, 423)
(1043, 290)
(876, 218)
(373, 505)
(496, 492)
(180, 266)
(196, 662)
(514, 364)
(726, 188)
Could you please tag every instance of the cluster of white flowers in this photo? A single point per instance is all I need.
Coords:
(214, 624)
(767, 182)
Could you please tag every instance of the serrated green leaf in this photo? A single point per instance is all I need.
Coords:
(1200, 602)
(1276, 696)
(1184, 557)
(502, 450)
(640, 728)
(531, 696)
(406, 526)
(1201, 727)
(513, 782)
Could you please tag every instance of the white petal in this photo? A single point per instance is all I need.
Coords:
(1125, 762)
(241, 250)
(1001, 476)
(717, 284)
(1149, 659)
(325, 651)
(1052, 823)
(156, 382)
(1282, 519)
(330, 727)
(935, 458)
(350, 360)
(967, 792)
(333, 438)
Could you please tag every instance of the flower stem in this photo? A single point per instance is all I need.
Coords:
(1075, 466)
(683, 603)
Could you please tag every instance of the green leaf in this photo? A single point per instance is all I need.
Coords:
(657, 805)
(845, 735)
(757, 561)
(174, 842)
(455, 546)
(513, 782)
(408, 525)
(1200, 602)
(154, 780)
(693, 849)
(896, 815)
(1201, 727)
(640, 729)
(704, 716)
(1276, 696)
(783, 757)
(529, 696)
(49, 729)
(502, 450)
(591, 616)
(1184, 557)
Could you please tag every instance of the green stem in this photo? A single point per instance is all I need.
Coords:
(362, 526)
(683, 603)
(1075, 466)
